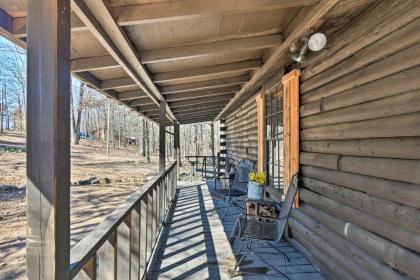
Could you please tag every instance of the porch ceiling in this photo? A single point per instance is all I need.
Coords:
(199, 56)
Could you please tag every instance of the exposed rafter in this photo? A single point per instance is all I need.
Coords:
(95, 83)
(296, 29)
(170, 54)
(6, 28)
(205, 100)
(175, 10)
(139, 102)
(206, 72)
(96, 16)
(130, 95)
(148, 108)
(188, 120)
(215, 83)
(197, 113)
(93, 63)
(117, 83)
(203, 93)
(198, 107)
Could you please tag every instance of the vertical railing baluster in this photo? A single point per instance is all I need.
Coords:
(158, 205)
(135, 242)
(149, 222)
(161, 204)
(123, 248)
(143, 236)
(154, 213)
(107, 259)
(89, 270)
(167, 190)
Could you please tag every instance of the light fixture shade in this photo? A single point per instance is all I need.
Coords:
(317, 42)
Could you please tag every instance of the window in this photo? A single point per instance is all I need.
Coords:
(274, 139)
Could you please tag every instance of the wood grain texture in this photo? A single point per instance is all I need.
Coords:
(291, 127)
(48, 141)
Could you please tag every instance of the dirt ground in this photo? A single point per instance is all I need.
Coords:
(126, 169)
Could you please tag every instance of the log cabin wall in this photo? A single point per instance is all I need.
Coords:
(359, 215)
(242, 134)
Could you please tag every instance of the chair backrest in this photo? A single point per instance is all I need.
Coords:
(228, 166)
(241, 179)
(245, 167)
(287, 205)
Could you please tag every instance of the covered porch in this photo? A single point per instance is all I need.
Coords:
(340, 113)
(194, 243)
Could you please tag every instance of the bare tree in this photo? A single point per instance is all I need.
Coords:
(76, 121)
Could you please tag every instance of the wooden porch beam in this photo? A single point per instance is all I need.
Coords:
(196, 120)
(131, 95)
(188, 52)
(206, 72)
(140, 102)
(205, 100)
(198, 113)
(94, 82)
(148, 108)
(178, 10)
(199, 107)
(96, 15)
(6, 28)
(296, 30)
(200, 94)
(215, 83)
(93, 63)
(48, 141)
(6, 21)
(190, 9)
(117, 83)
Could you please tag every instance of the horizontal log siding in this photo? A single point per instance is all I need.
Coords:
(360, 148)
(242, 134)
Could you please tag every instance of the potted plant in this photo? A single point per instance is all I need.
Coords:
(256, 185)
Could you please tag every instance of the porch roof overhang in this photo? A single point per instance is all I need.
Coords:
(202, 59)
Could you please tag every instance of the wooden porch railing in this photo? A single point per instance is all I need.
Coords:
(121, 246)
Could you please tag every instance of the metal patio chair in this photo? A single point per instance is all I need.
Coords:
(254, 230)
(236, 189)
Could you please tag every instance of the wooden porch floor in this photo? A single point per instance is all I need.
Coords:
(194, 244)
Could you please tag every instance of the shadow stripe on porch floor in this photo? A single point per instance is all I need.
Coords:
(194, 243)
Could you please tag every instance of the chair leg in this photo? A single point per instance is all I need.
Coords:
(280, 251)
(227, 210)
(239, 261)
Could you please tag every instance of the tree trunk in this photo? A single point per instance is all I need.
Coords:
(79, 114)
(107, 127)
(144, 137)
(147, 141)
(124, 129)
(1, 111)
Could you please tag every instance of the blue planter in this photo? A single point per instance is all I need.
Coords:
(255, 190)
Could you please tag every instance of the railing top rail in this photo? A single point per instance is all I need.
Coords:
(90, 244)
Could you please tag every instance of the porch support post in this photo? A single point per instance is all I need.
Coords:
(48, 140)
(215, 161)
(176, 147)
(162, 136)
(223, 129)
